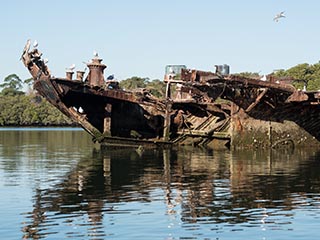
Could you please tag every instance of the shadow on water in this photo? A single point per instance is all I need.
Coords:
(199, 186)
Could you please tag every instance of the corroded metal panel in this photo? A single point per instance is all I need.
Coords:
(194, 115)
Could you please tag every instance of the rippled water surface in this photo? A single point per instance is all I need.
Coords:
(55, 184)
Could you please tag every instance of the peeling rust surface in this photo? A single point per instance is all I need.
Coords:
(193, 116)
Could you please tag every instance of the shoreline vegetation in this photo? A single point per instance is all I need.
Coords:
(30, 111)
(20, 109)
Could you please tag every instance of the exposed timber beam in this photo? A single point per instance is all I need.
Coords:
(252, 105)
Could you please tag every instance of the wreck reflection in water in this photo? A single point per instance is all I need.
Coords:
(181, 193)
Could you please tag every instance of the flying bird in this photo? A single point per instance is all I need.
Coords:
(278, 16)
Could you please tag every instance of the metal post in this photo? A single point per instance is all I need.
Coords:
(80, 75)
(167, 122)
(69, 75)
(270, 134)
(107, 120)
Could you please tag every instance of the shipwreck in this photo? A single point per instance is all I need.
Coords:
(209, 109)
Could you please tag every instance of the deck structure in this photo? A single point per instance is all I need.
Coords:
(208, 109)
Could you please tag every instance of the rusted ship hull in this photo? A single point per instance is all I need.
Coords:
(267, 113)
(256, 113)
(113, 116)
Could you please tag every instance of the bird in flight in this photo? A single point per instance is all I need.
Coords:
(278, 16)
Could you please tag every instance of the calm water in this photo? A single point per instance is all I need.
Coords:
(54, 185)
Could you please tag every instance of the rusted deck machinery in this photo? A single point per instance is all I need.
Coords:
(193, 116)
(264, 113)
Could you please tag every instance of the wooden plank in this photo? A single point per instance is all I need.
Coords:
(252, 105)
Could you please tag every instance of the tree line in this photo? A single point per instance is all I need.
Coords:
(18, 108)
(303, 75)
(29, 110)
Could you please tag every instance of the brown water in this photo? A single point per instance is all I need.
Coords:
(55, 184)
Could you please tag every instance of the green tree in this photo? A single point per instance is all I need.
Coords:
(248, 74)
(314, 83)
(134, 83)
(12, 85)
(157, 88)
(29, 110)
(304, 75)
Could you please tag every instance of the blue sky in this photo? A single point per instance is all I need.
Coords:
(140, 37)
